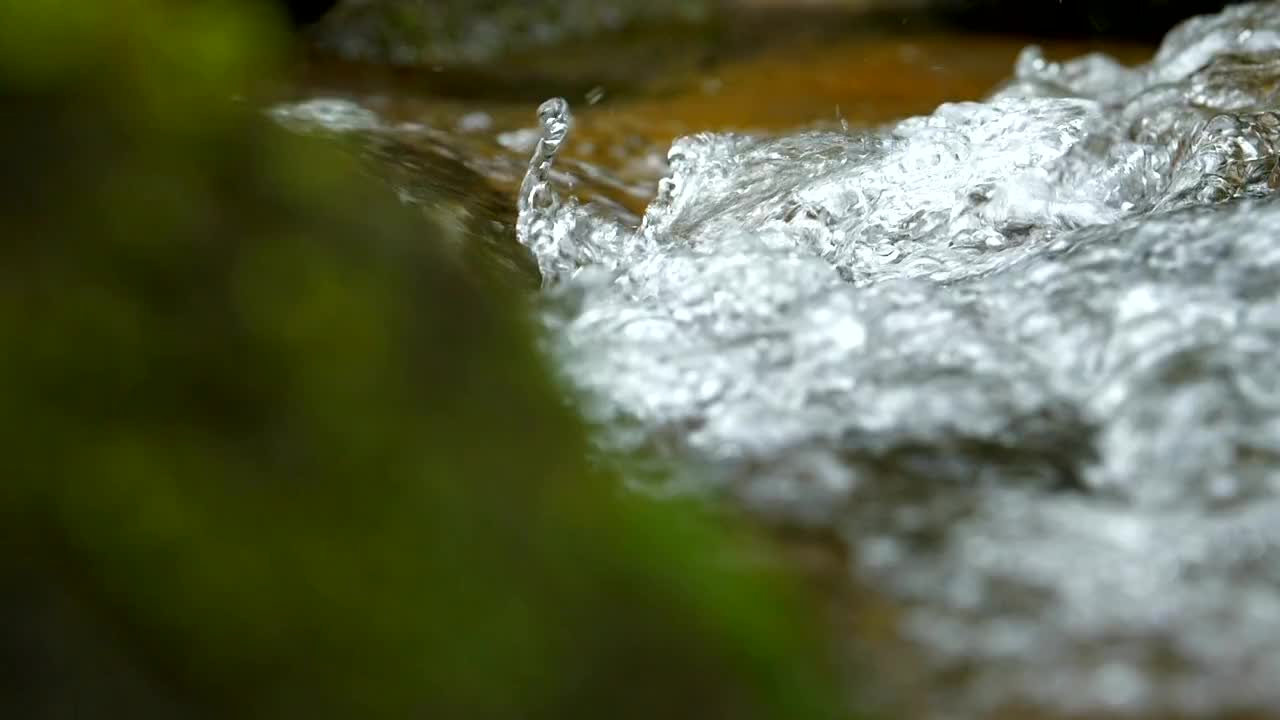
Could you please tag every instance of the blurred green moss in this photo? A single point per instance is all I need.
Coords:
(271, 453)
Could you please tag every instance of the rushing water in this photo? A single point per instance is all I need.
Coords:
(1022, 355)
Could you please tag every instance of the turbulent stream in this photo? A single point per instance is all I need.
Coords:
(1021, 355)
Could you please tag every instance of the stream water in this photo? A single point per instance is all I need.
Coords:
(1018, 355)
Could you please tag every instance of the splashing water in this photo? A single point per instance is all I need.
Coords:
(563, 237)
(1023, 355)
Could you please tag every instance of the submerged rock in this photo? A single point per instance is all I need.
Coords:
(271, 453)
(428, 177)
(1018, 354)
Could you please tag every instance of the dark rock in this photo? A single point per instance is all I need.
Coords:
(1144, 20)
(305, 12)
(428, 32)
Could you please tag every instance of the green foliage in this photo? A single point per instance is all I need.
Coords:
(271, 454)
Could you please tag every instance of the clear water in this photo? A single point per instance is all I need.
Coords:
(1022, 355)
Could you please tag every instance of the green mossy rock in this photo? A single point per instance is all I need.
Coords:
(270, 453)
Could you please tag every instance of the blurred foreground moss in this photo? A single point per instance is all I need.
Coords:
(272, 454)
